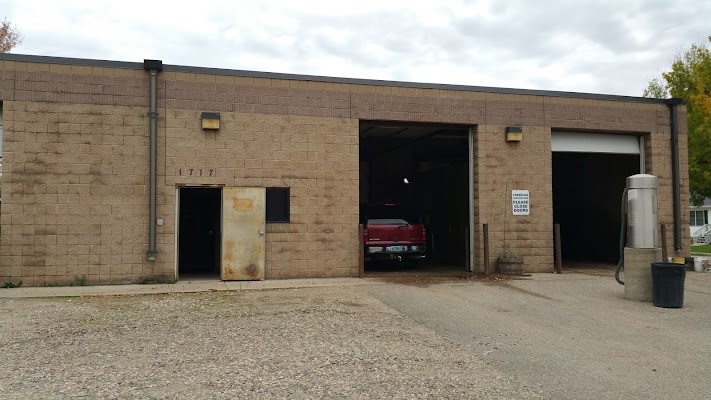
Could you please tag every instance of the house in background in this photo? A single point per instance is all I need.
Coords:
(699, 224)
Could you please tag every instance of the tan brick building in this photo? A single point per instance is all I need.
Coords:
(76, 181)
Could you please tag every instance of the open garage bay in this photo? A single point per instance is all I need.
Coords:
(425, 168)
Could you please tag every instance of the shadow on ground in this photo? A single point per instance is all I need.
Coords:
(429, 274)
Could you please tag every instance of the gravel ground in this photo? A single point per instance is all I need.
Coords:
(299, 343)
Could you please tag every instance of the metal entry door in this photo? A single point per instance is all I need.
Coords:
(243, 224)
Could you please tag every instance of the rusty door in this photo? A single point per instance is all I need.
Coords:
(243, 224)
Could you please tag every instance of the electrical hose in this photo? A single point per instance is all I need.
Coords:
(623, 235)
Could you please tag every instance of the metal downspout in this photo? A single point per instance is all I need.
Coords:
(676, 184)
(153, 66)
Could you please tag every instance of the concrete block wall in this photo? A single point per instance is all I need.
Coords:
(658, 163)
(273, 133)
(75, 193)
(499, 168)
(317, 157)
(75, 184)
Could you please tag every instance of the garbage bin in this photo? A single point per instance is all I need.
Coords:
(668, 284)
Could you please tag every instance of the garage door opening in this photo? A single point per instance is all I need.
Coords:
(425, 171)
(587, 190)
(199, 233)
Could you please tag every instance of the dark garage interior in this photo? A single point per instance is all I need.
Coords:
(199, 232)
(434, 161)
(587, 192)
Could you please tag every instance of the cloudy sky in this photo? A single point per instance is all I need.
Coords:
(597, 46)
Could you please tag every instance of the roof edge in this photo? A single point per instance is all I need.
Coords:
(329, 79)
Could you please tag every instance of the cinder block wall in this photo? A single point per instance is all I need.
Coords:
(273, 133)
(658, 162)
(74, 192)
(75, 189)
(501, 167)
(76, 170)
(317, 157)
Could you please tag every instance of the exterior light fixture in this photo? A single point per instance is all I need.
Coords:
(514, 133)
(210, 121)
(405, 181)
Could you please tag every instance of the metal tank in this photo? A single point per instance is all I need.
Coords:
(642, 212)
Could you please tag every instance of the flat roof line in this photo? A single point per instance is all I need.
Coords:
(70, 61)
(328, 79)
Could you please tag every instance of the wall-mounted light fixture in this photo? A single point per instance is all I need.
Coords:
(514, 133)
(210, 121)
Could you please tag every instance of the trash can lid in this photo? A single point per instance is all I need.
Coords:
(662, 264)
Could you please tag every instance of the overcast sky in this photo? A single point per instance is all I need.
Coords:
(595, 46)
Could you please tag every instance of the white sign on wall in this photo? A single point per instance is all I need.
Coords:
(520, 202)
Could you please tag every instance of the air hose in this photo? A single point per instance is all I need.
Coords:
(623, 235)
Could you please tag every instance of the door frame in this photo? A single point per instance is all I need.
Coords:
(605, 145)
(176, 236)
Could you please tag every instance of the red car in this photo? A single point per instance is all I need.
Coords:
(391, 232)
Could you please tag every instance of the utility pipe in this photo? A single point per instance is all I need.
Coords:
(558, 249)
(152, 66)
(664, 242)
(676, 184)
(487, 271)
(361, 250)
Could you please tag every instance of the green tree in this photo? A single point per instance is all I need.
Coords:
(656, 89)
(9, 36)
(690, 79)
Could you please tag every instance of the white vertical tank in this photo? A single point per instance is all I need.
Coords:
(642, 212)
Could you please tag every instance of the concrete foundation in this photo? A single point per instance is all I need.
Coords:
(638, 272)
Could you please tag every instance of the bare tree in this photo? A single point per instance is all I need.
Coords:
(9, 36)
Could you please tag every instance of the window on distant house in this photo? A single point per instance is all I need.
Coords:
(278, 205)
(699, 218)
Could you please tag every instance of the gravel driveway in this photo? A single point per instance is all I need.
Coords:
(299, 343)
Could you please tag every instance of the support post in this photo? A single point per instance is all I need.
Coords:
(558, 252)
(487, 271)
(361, 250)
(466, 247)
(664, 242)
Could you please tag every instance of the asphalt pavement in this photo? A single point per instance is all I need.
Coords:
(573, 336)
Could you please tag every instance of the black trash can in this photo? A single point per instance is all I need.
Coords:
(668, 284)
